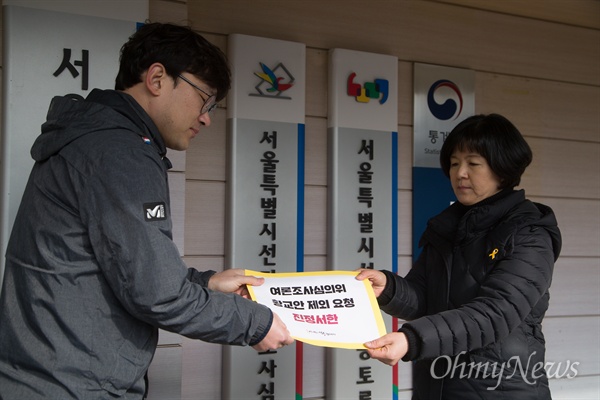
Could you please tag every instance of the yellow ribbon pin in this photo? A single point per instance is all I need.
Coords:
(493, 253)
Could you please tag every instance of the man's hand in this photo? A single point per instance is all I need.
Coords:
(389, 349)
(377, 279)
(277, 337)
(233, 281)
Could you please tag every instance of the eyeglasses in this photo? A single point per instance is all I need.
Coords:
(209, 104)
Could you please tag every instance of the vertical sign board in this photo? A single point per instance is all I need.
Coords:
(363, 193)
(47, 53)
(443, 97)
(265, 210)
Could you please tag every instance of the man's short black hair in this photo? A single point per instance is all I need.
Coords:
(179, 49)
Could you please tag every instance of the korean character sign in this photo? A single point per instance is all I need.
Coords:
(325, 308)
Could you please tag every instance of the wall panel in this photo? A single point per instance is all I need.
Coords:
(579, 222)
(584, 12)
(581, 387)
(313, 370)
(172, 11)
(404, 222)
(405, 93)
(575, 287)
(418, 30)
(316, 80)
(315, 262)
(200, 361)
(315, 220)
(315, 168)
(164, 374)
(563, 168)
(560, 333)
(542, 108)
(405, 157)
(205, 218)
(205, 158)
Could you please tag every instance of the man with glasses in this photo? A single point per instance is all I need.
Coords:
(92, 272)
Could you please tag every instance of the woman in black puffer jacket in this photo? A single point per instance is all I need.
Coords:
(477, 294)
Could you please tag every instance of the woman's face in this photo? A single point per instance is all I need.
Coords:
(472, 178)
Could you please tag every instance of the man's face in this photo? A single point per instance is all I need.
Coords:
(180, 118)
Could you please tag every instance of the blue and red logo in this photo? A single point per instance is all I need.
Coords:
(451, 107)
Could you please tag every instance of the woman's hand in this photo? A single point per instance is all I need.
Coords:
(377, 279)
(389, 349)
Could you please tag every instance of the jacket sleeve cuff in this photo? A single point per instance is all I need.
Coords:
(199, 277)
(414, 343)
(262, 333)
(390, 289)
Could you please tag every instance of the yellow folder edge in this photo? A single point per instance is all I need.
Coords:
(324, 343)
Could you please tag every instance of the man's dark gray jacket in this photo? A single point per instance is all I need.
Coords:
(91, 268)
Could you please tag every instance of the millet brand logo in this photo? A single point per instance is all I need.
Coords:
(154, 211)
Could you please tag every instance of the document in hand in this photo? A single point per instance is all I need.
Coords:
(326, 308)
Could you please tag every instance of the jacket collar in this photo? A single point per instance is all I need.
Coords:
(126, 105)
(455, 221)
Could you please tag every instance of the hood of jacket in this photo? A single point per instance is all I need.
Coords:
(104, 110)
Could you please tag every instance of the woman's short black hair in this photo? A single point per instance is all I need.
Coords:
(494, 138)
(179, 49)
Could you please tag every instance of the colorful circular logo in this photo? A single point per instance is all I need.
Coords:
(449, 108)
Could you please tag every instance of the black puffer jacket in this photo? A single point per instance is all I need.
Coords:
(476, 298)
